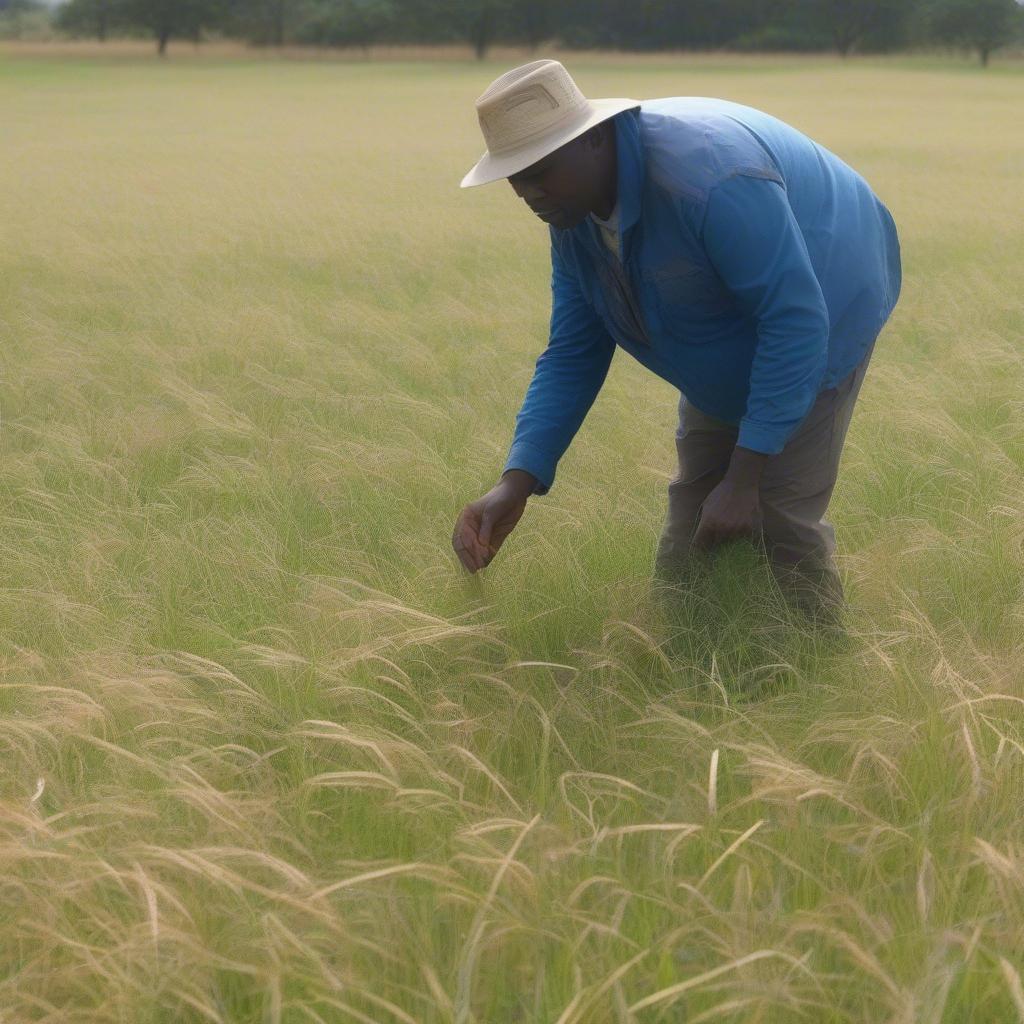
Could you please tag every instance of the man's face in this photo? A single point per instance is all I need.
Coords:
(563, 187)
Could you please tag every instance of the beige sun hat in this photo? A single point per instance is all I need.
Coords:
(529, 112)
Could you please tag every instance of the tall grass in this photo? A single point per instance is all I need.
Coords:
(270, 756)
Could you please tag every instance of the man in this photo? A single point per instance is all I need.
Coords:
(731, 255)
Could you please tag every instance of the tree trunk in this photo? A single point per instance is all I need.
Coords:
(536, 28)
(279, 23)
(482, 34)
(984, 56)
(162, 36)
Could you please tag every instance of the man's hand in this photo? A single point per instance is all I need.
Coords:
(484, 524)
(730, 510)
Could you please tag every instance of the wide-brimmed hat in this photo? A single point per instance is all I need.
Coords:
(529, 112)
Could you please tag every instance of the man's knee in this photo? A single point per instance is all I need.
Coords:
(685, 497)
(792, 518)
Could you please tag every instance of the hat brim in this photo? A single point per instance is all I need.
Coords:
(493, 168)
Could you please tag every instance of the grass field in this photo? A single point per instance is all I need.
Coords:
(270, 755)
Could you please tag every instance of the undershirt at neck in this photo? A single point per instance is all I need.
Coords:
(610, 229)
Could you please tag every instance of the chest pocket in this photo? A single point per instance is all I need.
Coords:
(686, 291)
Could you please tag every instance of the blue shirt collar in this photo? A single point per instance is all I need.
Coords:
(630, 156)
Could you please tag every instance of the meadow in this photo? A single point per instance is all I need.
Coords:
(270, 756)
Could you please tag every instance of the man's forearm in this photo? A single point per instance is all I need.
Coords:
(746, 466)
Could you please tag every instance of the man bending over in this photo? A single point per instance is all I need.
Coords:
(731, 255)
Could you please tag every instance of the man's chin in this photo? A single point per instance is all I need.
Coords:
(561, 219)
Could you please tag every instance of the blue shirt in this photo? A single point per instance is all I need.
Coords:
(755, 270)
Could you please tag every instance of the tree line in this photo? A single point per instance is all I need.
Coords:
(845, 26)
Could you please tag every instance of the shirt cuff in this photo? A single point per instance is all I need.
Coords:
(758, 437)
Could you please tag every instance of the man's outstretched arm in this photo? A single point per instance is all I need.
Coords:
(567, 377)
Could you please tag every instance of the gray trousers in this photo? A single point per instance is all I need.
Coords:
(794, 492)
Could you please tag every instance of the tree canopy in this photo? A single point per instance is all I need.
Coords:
(845, 26)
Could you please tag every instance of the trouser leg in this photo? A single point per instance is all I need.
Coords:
(704, 447)
(795, 491)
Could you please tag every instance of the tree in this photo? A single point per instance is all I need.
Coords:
(627, 24)
(17, 15)
(482, 22)
(272, 16)
(983, 25)
(171, 18)
(346, 22)
(847, 22)
(269, 22)
(88, 17)
(533, 21)
(478, 22)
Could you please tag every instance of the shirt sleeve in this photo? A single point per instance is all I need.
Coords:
(757, 248)
(567, 376)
